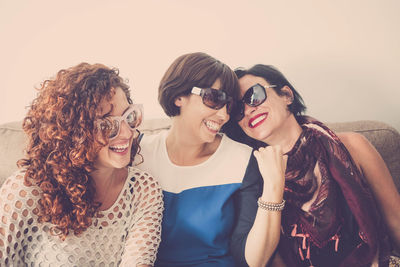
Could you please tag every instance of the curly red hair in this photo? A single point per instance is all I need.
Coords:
(63, 143)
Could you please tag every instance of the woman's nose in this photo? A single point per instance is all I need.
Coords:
(249, 109)
(223, 112)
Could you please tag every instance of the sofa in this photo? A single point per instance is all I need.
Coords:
(384, 137)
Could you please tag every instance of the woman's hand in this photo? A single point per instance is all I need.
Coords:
(263, 237)
(272, 165)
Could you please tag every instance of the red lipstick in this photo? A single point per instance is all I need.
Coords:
(257, 120)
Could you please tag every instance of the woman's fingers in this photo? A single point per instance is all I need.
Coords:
(273, 153)
(272, 166)
(271, 161)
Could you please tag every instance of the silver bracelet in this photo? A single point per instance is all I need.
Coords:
(271, 206)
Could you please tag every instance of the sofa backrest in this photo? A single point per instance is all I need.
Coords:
(384, 137)
(12, 144)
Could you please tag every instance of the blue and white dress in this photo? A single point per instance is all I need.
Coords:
(200, 201)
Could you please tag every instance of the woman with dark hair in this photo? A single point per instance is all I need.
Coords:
(74, 201)
(201, 171)
(330, 218)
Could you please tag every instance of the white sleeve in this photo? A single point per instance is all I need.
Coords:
(16, 219)
(145, 233)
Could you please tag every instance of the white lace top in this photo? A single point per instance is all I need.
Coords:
(128, 233)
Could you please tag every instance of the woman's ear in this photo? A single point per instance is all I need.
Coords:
(178, 101)
(288, 94)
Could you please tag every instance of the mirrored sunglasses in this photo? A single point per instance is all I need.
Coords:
(214, 98)
(254, 96)
(133, 117)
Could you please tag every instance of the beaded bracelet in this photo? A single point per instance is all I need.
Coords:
(270, 205)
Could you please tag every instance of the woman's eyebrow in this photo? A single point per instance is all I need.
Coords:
(112, 107)
(126, 109)
(109, 112)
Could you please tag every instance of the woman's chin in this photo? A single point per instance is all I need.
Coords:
(120, 160)
(119, 165)
(258, 135)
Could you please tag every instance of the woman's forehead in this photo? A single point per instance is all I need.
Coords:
(216, 84)
(248, 81)
(112, 105)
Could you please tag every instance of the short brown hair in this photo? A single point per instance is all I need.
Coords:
(189, 70)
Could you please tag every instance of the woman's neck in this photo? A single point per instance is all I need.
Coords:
(108, 183)
(183, 150)
(287, 135)
(103, 177)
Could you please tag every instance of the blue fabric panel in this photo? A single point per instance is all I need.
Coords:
(197, 226)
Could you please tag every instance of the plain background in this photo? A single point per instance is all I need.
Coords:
(343, 56)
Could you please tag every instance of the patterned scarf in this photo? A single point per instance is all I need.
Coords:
(341, 224)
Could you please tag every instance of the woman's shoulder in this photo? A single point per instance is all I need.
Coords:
(135, 173)
(315, 134)
(144, 190)
(362, 151)
(234, 146)
(153, 139)
(152, 144)
(17, 183)
(142, 179)
(353, 140)
(16, 195)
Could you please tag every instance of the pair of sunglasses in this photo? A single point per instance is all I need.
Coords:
(214, 98)
(254, 96)
(133, 117)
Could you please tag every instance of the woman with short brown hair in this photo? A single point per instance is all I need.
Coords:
(201, 170)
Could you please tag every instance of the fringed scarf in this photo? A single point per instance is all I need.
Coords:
(341, 226)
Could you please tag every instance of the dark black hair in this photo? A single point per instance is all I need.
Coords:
(272, 76)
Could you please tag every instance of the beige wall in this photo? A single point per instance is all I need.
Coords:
(343, 56)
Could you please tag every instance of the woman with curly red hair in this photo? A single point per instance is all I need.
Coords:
(74, 200)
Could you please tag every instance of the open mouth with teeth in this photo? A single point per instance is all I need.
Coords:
(120, 148)
(257, 120)
(212, 126)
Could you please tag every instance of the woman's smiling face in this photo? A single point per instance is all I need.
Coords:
(262, 121)
(117, 153)
(203, 122)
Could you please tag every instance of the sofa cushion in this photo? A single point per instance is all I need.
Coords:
(384, 137)
(12, 145)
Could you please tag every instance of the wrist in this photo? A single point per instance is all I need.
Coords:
(271, 199)
(271, 206)
(272, 194)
